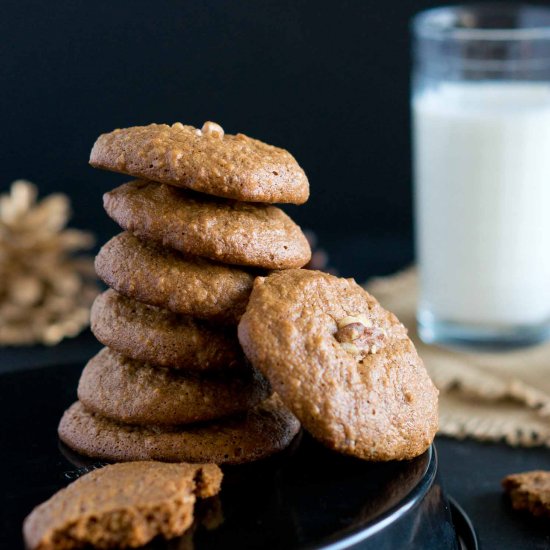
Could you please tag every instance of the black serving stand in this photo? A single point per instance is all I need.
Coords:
(305, 497)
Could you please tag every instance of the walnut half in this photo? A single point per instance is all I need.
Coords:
(359, 337)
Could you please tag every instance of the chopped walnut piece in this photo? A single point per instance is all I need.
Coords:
(363, 319)
(359, 337)
(212, 129)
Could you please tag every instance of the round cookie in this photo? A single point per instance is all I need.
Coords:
(160, 337)
(128, 391)
(341, 363)
(226, 231)
(205, 160)
(258, 433)
(165, 278)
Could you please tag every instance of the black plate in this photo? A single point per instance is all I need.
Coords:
(306, 497)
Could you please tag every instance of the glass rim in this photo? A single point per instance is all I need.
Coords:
(440, 23)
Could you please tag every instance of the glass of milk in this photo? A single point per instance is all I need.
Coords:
(481, 139)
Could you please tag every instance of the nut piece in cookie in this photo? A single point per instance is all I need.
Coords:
(206, 160)
(121, 505)
(529, 491)
(359, 337)
(341, 363)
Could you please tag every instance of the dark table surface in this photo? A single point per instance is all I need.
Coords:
(471, 471)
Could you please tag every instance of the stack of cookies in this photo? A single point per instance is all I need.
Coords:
(172, 383)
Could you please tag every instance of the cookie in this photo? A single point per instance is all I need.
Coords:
(121, 505)
(128, 391)
(160, 337)
(258, 433)
(165, 278)
(226, 231)
(529, 491)
(341, 363)
(205, 160)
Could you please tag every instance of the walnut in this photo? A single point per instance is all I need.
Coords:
(45, 288)
(212, 129)
(359, 337)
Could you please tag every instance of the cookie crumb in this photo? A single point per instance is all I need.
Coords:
(529, 491)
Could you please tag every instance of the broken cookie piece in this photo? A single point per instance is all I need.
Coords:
(121, 506)
(529, 491)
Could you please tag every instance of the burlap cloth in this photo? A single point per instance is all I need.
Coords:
(487, 396)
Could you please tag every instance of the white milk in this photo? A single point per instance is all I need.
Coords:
(482, 171)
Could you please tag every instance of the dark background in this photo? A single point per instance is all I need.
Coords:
(328, 80)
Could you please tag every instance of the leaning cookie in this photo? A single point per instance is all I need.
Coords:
(226, 231)
(121, 505)
(128, 391)
(161, 337)
(341, 363)
(205, 160)
(165, 278)
(260, 432)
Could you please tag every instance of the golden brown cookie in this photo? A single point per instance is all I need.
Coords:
(341, 363)
(160, 337)
(226, 231)
(168, 279)
(205, 160)
(128, 391)
(258, 433)
(121, 505)
(529, 491)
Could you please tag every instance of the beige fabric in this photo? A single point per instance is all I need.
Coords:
(487, 396)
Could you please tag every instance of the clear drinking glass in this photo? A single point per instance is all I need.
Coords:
(481, 137)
